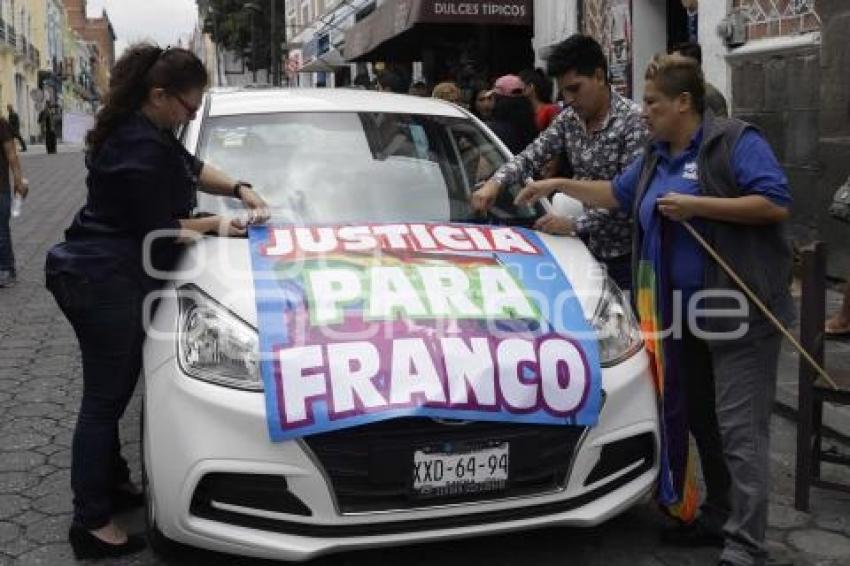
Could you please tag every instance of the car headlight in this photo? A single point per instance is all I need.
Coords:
(616, 326)
(215, 345)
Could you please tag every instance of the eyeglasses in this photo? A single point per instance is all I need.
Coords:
(192, 111)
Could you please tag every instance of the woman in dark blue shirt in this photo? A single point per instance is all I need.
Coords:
(141, 190)
(715, 374)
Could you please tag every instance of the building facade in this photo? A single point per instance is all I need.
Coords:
(466, 42)
(99, 36)
(791, 79)
(78, 96)
(448, 40)
(97, 30)
(42, 58)
(50, 75)
(317, 29)
(20, 60)
(632, 31)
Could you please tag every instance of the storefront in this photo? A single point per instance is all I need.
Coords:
(610, 22)
(461, 41)
(631, 32)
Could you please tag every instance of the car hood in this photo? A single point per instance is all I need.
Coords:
(221, 268)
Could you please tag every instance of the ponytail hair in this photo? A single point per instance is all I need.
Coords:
(143, 66)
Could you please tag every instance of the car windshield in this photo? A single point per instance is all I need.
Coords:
(318, 167)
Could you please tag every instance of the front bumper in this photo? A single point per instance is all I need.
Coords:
(195, 429)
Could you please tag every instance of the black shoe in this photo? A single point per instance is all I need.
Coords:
(123, 500)
(692, 535)
(86, 545)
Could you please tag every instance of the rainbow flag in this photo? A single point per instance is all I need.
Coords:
(678, 491)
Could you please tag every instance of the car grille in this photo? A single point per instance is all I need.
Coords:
(370, 466)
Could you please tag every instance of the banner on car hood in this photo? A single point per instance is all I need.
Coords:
(362, 323)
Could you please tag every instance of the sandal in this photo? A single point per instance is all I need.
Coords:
(833, 330)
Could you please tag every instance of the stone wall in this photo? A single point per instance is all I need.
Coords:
(834, 124)
(799, 96)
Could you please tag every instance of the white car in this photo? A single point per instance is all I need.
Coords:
(213, 477)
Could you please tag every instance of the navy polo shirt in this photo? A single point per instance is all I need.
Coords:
(140, 180)
(756, 170)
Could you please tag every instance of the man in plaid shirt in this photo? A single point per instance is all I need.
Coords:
(600, 133)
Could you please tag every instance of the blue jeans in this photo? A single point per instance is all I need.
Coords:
(107, 319)
(7, 257)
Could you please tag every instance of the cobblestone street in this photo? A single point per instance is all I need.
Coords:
(40, 383)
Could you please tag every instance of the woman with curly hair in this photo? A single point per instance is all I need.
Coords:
(141, 189)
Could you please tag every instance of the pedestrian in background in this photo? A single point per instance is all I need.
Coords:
(538, 89)
(597, 135)
(481, 103)
(714, 99)
(718, 380)
(47, 122)
(838, 325)
(141, 184)
(692, 10)
(8, 161)
(15, 123)
(393, 80)
(418, 88)
(512, 119)
(447, 91)
(362, 81)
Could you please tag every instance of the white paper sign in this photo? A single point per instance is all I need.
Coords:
(75, 125)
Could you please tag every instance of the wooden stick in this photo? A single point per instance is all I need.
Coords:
(707, 247)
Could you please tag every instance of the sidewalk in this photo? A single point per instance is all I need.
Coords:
(41, 149)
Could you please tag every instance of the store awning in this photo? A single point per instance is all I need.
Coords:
(325, 63)
(370, 38)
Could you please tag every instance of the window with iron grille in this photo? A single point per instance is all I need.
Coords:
(774, 18)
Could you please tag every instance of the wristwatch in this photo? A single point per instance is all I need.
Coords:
(237, 188)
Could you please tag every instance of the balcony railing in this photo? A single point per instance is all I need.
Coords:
(2, 30)
(24, 48)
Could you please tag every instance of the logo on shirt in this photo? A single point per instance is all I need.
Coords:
(690, 171)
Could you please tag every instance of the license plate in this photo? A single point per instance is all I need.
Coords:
(469, 470)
